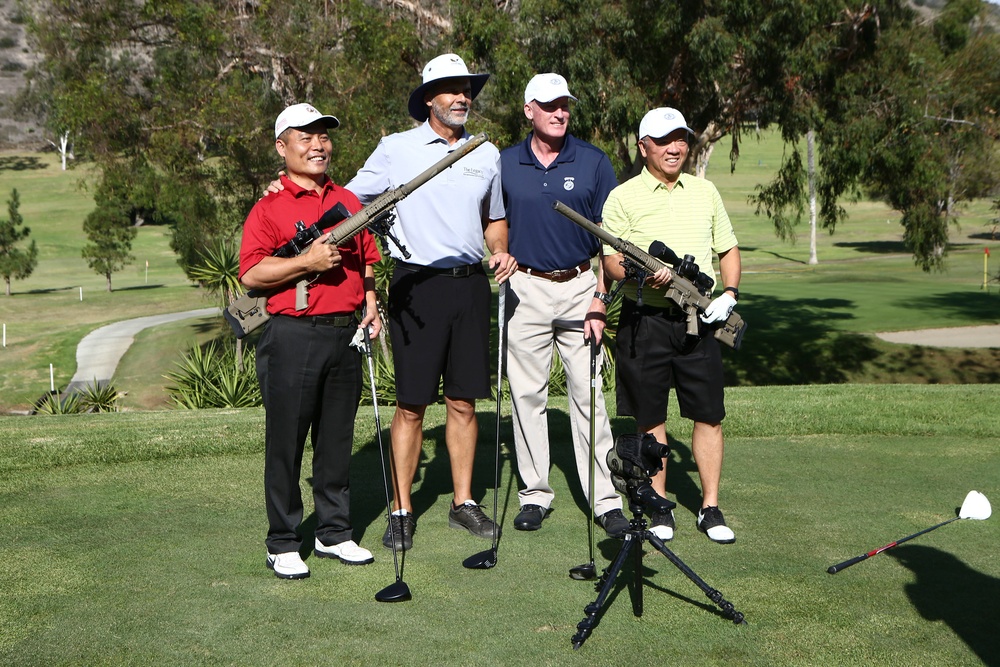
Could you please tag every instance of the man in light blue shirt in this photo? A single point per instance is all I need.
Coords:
(439, 297)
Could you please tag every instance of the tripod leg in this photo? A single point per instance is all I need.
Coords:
(636, 585)
(728, 610)
(607, 583)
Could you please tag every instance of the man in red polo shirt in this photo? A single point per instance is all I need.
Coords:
(310, 377)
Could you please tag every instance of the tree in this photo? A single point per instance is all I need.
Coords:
(15, 263)
(905, 113)
(110, 232)
(165, 87)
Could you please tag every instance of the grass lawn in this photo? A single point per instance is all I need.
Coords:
(137, 538)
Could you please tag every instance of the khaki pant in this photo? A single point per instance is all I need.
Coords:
(542, 314)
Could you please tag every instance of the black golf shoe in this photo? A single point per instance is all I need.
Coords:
(530, 517)
(400, 530)
(472, 518)
(662, 525)
(614, 523)
(711, 522)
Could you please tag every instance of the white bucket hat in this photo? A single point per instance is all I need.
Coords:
(447, 66)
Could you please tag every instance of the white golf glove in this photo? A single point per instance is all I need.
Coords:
(720, 309)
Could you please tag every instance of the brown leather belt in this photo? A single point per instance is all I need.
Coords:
(560, 276)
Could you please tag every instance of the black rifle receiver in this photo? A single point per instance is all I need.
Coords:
(682, 291)
(304, 236)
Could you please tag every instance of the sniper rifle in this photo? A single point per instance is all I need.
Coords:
(683, 292)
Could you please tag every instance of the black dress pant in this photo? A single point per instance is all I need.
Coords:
(310, 380)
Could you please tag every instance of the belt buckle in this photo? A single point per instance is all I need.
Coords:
(461, 271)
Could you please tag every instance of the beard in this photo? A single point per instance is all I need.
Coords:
(448, 117)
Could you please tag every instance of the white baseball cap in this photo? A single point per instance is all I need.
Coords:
(447, 66)
(661, 122)
(547, 87)
(300, 115)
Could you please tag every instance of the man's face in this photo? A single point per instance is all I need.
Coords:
(306, 150)
(450, 102)
(549, 120)
(665, 156)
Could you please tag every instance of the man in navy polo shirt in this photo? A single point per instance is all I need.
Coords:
(557, 300)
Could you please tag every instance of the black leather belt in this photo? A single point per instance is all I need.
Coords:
(669, 312)
(333, 320)
(558, 276)
(453, 272)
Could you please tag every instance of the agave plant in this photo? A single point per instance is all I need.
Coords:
(208, 377)
(98, 397)
(57, 404)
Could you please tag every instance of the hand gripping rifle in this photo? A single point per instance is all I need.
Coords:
(684, 293)
(249, 311)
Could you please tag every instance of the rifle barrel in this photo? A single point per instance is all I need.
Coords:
(390, 198)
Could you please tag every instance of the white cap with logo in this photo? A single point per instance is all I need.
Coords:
(661, 122)
(547, 87)
(300, 115)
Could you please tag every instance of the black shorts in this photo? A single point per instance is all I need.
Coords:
(653, 355)
(439, 326)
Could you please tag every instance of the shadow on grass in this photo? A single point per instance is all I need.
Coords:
(21, 163)
(73, 288)
(948, 590)
(875, 247)
(961, 303)
(432, 480)
(795, 341)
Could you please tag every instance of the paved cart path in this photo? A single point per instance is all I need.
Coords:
(99, 352)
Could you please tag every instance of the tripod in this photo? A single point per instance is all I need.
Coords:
(634, 537)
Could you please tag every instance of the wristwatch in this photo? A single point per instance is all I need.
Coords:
(736, 292)
(604, 297)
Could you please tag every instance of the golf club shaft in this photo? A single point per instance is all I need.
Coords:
(593, 436)
(381, 453)
(834, 569)
(501, 324)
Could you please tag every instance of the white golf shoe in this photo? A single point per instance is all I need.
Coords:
(347, 552)
(288, 565)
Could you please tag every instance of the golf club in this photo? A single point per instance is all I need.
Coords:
(589, 570)
(397, 591)
(975, 506)
(484, 560)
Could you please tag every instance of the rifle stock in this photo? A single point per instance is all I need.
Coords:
(249, 311)
(680, 290)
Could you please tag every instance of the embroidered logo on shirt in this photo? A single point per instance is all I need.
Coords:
(473, 172)
(568, 183)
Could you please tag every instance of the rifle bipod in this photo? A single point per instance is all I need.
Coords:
(634, 537)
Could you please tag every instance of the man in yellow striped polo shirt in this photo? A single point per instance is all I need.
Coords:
(654, 351)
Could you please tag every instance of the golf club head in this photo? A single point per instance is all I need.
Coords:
(483, 560)
(975, 506)
(394, 592)
(583, 572)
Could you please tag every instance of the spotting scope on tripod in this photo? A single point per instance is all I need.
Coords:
(632, 460)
